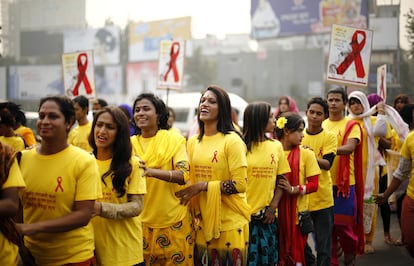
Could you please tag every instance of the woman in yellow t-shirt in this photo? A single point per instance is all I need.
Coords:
(167, 225)
(265, 163)
(62, 184)
(10, 182)
(117, 226)
(218, 176)
(7, 134)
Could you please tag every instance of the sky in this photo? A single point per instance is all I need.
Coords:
(218, 17)
(208, 17)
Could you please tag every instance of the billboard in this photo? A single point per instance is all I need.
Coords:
(141, 77)
(145, 37)
(275, 18)
(3, 82)
(108, 81)
(105, 43)
(40, 43)
(34, 82)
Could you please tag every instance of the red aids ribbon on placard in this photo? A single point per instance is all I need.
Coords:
(82, 66)
(354, 56)
(172, 65)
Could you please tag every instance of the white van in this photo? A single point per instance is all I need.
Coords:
(185, 108)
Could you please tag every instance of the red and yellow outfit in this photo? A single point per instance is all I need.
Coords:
(304, 175)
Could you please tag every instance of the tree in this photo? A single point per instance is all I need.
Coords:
(410, 31)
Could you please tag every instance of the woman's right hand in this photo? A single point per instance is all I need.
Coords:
(187, 193)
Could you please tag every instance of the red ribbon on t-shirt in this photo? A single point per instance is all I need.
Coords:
(82, 66)
(59, 184)
(354, 56)
(172, 65)
(214, 157)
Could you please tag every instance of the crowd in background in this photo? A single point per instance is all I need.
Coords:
(128, 189)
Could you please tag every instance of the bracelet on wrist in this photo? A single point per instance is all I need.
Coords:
(270, 209)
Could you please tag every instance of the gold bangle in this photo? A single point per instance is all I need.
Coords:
(292, 189)
(170, 176)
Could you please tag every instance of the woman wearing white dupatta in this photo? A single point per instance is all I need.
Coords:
(359, 110)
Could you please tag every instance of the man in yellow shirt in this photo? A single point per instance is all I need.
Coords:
(78, 136)
(324, 145)
(347, 180)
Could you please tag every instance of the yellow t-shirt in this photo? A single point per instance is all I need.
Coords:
(161, 207)
(338, 128)
(264, 162)
(27, 134)
(53, 184)
(322, 144)
(308, 166)
(9, 251)
(78, 136)
(396, 142)
(119, 242)
(218, 158)
(15, 142)
(175, 130)
(407, 151)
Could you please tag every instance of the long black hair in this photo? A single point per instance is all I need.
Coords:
(225, 123)
(120, 167)
(255, 120)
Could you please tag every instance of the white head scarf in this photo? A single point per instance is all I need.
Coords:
(373, 155)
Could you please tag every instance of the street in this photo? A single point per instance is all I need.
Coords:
(386, 255)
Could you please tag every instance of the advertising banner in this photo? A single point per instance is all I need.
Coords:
(105, 43)
(78, 74)
(349, 56)
(171, 65)
(141, 77)
(275, 18)
(34, 82)
(145, 38)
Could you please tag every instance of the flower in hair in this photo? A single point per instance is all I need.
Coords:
(281, 122)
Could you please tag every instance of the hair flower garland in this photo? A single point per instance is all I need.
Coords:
(281, 122)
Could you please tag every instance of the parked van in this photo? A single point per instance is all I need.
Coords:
(185, 108)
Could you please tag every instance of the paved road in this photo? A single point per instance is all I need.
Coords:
(386, 255)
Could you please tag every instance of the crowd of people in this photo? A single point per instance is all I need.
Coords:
(128, 189)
